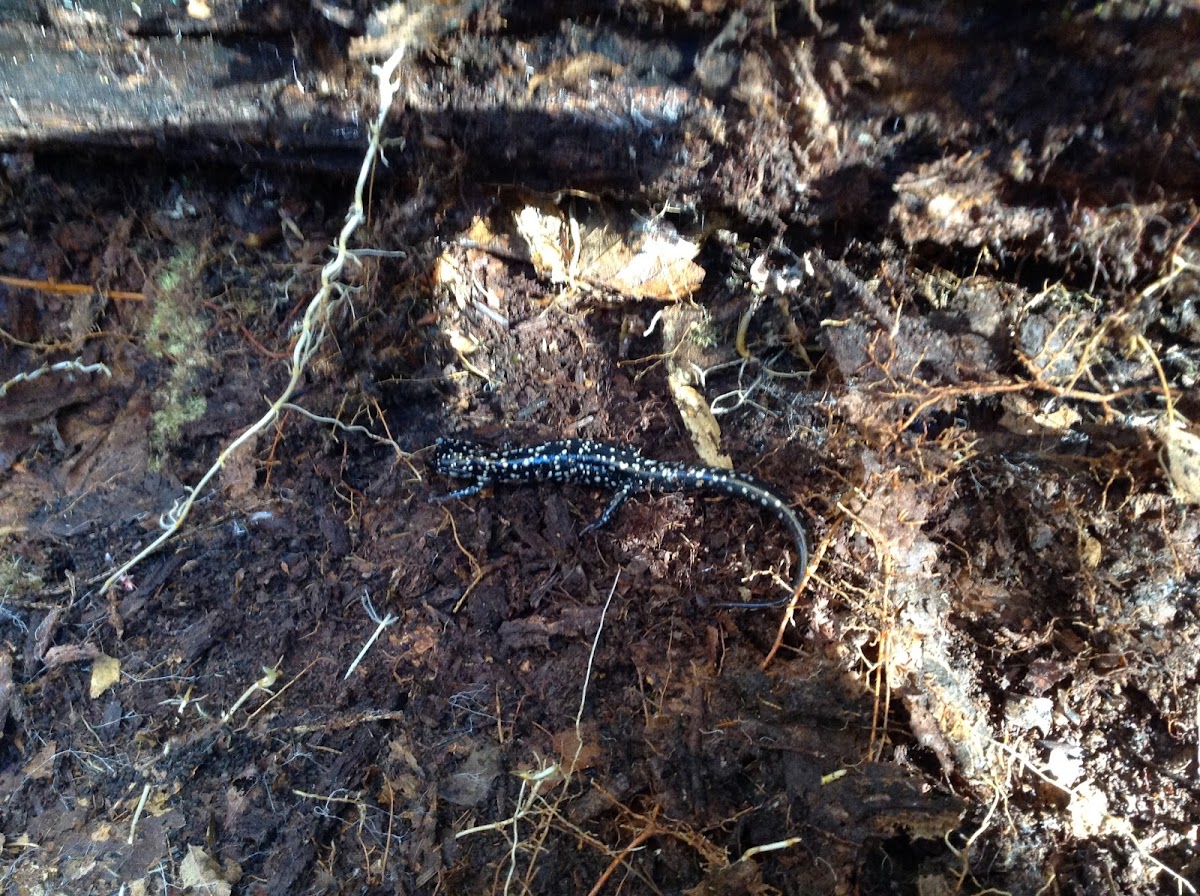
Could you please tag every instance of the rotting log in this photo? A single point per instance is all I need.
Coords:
(782, 115)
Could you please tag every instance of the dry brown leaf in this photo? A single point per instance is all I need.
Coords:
(41, 763)
(656, 264)
(1026, 418)
(1182, 447)
(240, 473)
(682, 362)
(106, 672)
(473, 781)
(200, 873)
(448, 273)
(697, 416)
(545, 238)
(576, 754)
(69, 653)
(635, 259)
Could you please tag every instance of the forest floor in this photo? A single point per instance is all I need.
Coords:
(936, 281)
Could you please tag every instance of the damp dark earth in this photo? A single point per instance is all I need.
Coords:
(929, 275)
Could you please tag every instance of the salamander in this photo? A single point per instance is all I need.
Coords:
(617, 468)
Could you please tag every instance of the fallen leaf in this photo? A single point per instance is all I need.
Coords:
(678, 324)
(1182, 448)
(1024, 417)
(697, 416)
(41, 763)
(106, 672)
(69, 653)
(200, 873)
(637, 259)
(576, 754)
(473, 781)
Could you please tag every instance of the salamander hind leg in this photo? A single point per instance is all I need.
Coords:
(613, 506)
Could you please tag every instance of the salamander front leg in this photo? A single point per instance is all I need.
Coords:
(462, 492)
(613, 506)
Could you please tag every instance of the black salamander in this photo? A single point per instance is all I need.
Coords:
(620, 469)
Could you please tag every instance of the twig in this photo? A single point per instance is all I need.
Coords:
(271, 698)
(789, 615)
(313, 326)
(381, 624)
(137, 813)
(76, 366)
(71, 289)
(345, 427)
(619, 859)
(587, 676)
(270, 676)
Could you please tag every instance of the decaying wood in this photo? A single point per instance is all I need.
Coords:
(784, 118)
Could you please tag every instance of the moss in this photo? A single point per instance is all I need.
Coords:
(168, 422)
(704, 331)
(176, 335)
(15, 579)
(176, 331)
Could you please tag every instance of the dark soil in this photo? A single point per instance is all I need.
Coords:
(945, 300)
